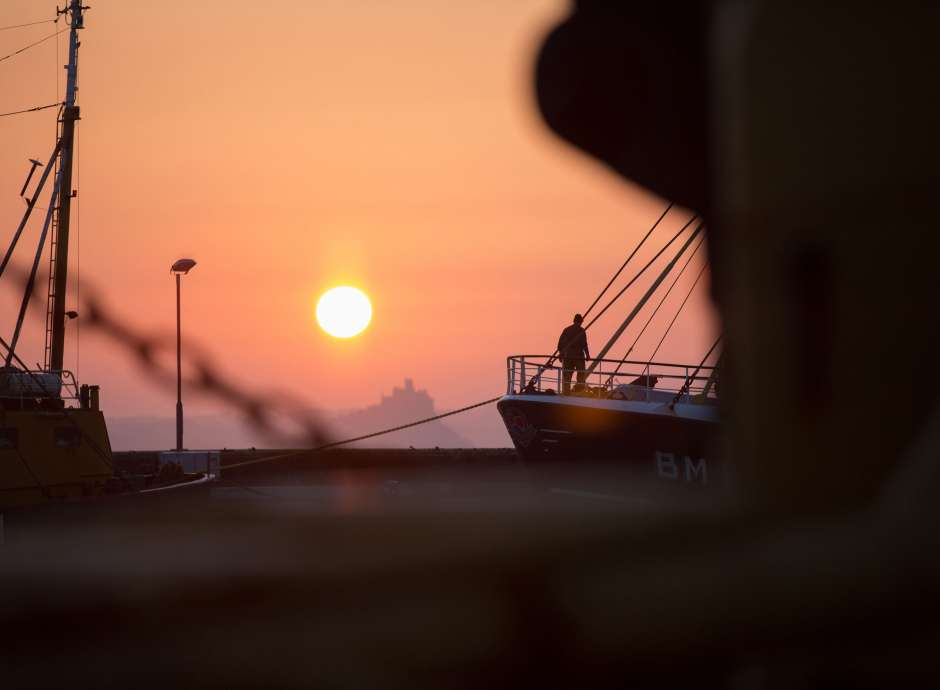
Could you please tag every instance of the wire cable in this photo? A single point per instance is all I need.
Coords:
(656, 311)
(56, 69)
(31, 110)
(32, 45)
(632, 254)
(688, 382)
(669, 327)
(20, 26)
(641, 272)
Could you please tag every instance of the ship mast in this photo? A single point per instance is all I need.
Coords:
(55, 319)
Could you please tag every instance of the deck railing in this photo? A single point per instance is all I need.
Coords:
(636, 380)
(18, 384)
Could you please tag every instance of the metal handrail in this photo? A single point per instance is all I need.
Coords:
(534, 374)
(644, 362)
(67, 384)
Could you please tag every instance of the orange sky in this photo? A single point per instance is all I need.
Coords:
(290, 146)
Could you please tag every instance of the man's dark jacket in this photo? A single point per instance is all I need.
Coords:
(572, 344)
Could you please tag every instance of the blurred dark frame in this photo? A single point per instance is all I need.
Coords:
(805, 133)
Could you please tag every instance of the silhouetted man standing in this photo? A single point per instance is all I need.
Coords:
(573, 350)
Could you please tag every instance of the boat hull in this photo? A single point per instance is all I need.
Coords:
(647, 438)
(52, 454)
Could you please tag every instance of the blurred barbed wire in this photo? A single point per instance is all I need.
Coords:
(279, 416)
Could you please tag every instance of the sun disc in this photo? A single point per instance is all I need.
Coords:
(344, 311)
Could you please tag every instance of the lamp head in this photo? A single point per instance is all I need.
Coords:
(182, 266)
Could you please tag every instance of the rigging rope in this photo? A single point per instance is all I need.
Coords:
(32, 45)
(669, 327)
(632, 254)
(20, 26)
(56, 70)
(641, 272)
(31, 110)
(636, 277)
(691, 378)
(347, 441)
(656, 310)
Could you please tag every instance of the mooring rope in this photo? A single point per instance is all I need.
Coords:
(347, 441)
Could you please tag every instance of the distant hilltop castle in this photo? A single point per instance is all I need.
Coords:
(419, 401)
(404, 405)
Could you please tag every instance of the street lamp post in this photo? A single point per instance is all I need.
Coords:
(181, 267)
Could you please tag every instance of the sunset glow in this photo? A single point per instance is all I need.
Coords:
(395, 147)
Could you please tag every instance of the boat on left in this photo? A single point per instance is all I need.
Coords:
(54, 441)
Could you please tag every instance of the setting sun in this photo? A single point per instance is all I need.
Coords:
(344, 311)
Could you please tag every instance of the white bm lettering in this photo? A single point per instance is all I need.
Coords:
(692, 470)
(666, 465)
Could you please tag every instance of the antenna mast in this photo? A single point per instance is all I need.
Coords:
(58, 280)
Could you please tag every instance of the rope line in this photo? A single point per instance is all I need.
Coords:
(629, 258)
(31, 110)
(641, 272)
(347, 441)
(656, 311)
(636, 277)
(681, 306)
(690, 379)
(20, 26)
(32, 45)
